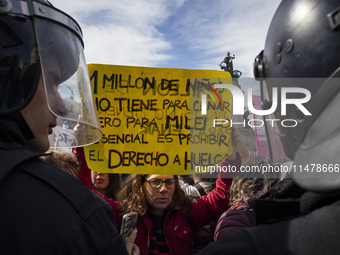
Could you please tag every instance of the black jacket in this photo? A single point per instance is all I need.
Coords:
(45, 210)
(292, 221)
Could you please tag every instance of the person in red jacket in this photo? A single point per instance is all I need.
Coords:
(167, 218)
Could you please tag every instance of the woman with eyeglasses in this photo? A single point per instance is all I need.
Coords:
(167, 218)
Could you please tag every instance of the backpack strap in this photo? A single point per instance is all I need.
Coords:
(200, 189)
(249, 212)
(251, 216)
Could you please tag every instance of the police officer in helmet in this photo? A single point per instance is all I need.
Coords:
(43, 83)
(300, 214)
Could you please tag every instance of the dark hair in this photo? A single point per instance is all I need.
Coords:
(114, 186)
(132, 197)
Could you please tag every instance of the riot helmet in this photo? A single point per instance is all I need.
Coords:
(302, 52)
(38, 40)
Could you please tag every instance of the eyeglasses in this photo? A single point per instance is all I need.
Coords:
(156, 183)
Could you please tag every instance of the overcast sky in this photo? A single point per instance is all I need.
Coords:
(194, 34)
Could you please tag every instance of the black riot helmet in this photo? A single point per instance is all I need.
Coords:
(39, 41)
(302, 50)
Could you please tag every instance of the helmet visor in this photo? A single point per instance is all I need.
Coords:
(67, 85)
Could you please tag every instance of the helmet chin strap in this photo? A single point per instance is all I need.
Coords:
(317, 159)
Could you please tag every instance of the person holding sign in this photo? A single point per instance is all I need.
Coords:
(168, 220)
(161, 204)
(43, 79)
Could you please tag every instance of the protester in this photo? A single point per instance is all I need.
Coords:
(202, 185)
(241, 213)
(162, 205)
(300, 214)
(45, 210)
(85, 176)
(106, 184)
(189, 189)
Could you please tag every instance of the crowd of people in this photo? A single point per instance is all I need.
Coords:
(170, 219)
(53, 203)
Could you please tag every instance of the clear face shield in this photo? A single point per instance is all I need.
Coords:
(67, 84)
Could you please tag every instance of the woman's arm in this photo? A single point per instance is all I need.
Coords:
(209, 207)
(84, 170)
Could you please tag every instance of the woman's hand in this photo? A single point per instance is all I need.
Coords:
(130, 246)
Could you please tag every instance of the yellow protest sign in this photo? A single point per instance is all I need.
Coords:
(152, 119)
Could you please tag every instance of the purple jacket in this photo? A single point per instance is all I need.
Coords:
(233, 221)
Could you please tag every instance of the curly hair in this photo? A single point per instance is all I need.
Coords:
(242, 189)
(132, 197)
(64, 160)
